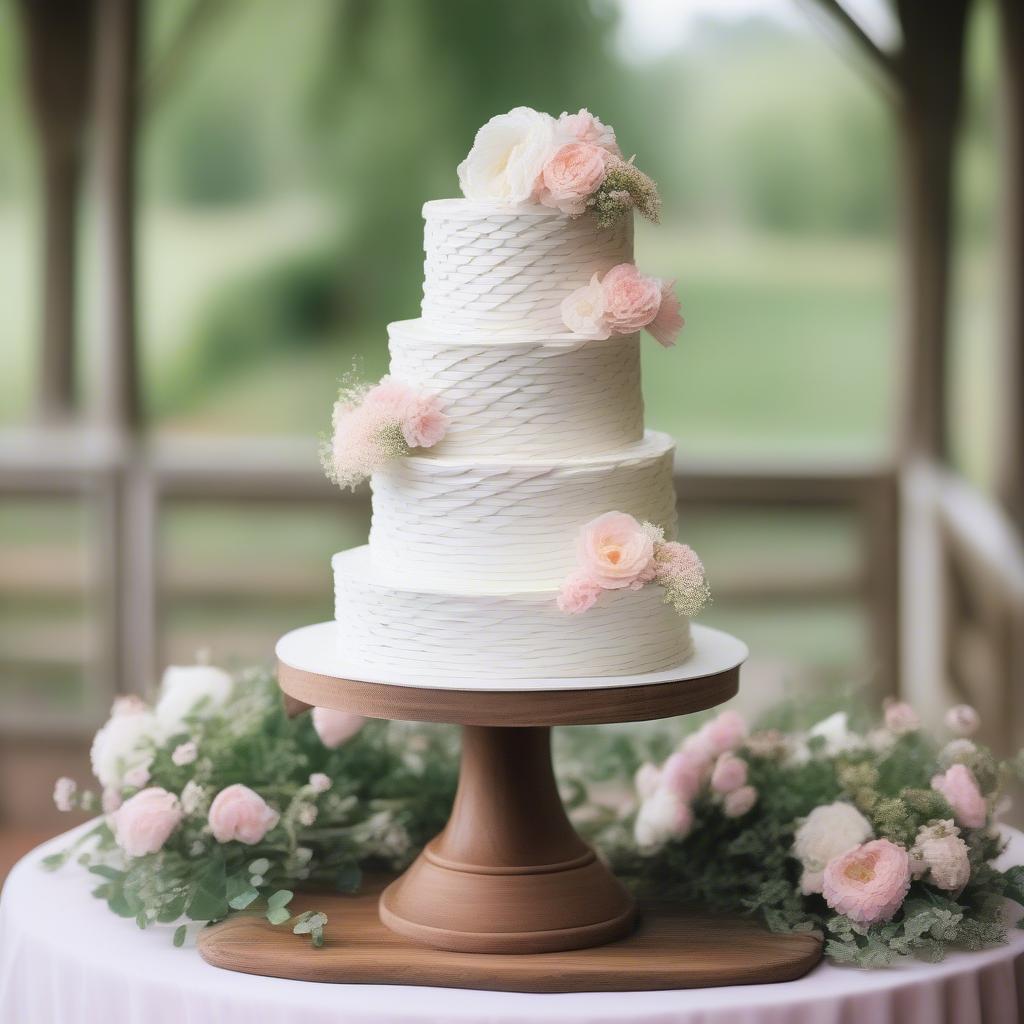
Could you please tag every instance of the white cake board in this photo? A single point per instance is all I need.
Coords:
(316, 649)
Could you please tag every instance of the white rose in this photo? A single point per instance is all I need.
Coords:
(184, 686)
(583, 311)
(662, 816)
(940, 853)
(835, 731)
(508, 155)
(121, 746)
(827, 832)
(646, 779)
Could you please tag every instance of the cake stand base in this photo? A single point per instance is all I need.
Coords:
(672, 947)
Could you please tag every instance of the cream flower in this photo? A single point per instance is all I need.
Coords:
(188, 690)
(662, 816)
(583, 311)
(122, 745)
(827, 832)
(835, 731)
(940, 853)
(508, 156)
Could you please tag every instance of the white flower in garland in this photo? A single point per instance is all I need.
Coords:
(191, 690)
(942, 855)
(827, 832)
(124, 745)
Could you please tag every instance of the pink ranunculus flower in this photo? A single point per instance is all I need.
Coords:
(585, 127)
(144, 822)
(615, 551)
(240, 814)
(631, 299)
(958, 785)
(572, 175)
(698, 744)
(962, 720)
(684, 773)
(578, 593)
(336, 727)
(425, 423)
(868, 883)
(900, 717)
(725, 731)
(739, 802)
(668, 322)
(729, 773)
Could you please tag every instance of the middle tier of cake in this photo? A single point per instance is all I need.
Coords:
(498, 523)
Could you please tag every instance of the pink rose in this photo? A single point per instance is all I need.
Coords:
(961, 791)
(615, 551)
(424, 422)
(631, 299)
(668, 321)
(584, 127)
(336, 727)
(730, 772)
(684, 773)
(143, 823)
(725, 732)
(739, 801)
(900, 717)
(579, 592)
(239, 813)
(962, 720)
(868, 883)
(572, 175)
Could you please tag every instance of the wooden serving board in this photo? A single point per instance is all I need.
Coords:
(673, 947)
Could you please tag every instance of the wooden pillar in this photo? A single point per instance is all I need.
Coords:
(1010, 469)
(58, 63)
(118, 405)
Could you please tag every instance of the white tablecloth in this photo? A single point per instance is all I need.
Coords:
(65, 959)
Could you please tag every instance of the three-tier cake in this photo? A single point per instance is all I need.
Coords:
(523, 520)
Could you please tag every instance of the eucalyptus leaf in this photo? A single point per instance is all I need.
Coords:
(281, 898)
(179, 935)
(278, 915)
(243, 899)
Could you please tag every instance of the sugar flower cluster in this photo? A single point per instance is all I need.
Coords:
(624, 301)
(374, 424)
(616, 552)
(706, 766)
(571, 163)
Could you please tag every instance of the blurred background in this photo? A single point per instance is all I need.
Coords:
(209, 208)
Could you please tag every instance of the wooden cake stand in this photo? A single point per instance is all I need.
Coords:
(508, 896)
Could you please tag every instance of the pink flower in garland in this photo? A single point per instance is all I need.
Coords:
(961, 791)
(869, 883)
(622, 302)
(730, 772)
(585, 127)
(578, 594)
(572, 176)
(375, 424)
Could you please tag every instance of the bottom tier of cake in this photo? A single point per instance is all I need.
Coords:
(385, 627)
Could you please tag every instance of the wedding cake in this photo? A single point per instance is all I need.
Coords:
(524, 522)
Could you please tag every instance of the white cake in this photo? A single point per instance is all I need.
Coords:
(472, 538)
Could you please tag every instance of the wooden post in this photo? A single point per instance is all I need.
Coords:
(59, 49)
(1010, 470)
(119, 405)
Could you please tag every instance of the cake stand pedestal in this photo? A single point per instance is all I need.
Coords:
(509, 874)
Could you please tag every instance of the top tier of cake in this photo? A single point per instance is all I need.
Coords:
(492, 270)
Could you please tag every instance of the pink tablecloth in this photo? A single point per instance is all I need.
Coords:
(64, 959)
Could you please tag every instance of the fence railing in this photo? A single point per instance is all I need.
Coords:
(129, 486)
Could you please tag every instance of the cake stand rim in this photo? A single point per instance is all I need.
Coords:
(735, 652)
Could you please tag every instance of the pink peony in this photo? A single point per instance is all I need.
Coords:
(684, 773)
(724, 732)
(572, 175)
(962, 720)
(584, 127)
(961, 791)
(729, 773)
(615, 551)
(739, 802)
(143, 823)
(239, 813)
(631, 299)
(868, 883)
(900, 717)
(579, 592)
(336, 727)
(425, 423)
(668, 322)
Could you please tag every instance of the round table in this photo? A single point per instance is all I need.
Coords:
(65, 959)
